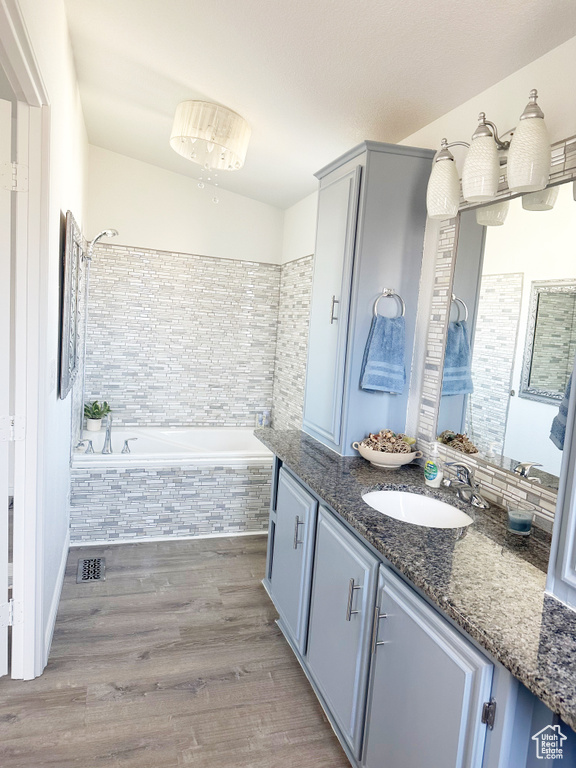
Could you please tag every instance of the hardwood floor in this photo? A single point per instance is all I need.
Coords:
(174, 660)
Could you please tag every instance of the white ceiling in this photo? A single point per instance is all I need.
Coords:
(313, 77)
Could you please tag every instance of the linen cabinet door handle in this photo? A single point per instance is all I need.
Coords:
(296, 524)
(375, 625)
(332, 308)
(351, 589)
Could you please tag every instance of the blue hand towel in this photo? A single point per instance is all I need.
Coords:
(383, 364)
(558, 430)
(457, 378)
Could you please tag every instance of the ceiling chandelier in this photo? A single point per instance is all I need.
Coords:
(212, 136)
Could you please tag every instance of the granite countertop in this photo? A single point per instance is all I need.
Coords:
(489, 581)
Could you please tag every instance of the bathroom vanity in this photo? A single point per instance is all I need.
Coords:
(418, 641)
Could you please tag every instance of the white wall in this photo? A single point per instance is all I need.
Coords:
(47, 27)
(551, 74)
(154, 208)
(300, 229)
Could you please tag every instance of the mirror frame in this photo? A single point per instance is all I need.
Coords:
(562, 170)
(538, 288)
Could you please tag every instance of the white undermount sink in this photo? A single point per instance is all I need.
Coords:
(417, 509)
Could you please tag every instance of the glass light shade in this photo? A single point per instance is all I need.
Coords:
(443, 194)
(493, 215)
(481, 171)
(529, 156)
(212, 136)
(543, 200)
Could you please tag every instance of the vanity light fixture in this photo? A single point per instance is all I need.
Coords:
(530, 153)
(481, 172)
(213, 136)
(543, 200)
(493, 215)
(443, 193)
(528, 163)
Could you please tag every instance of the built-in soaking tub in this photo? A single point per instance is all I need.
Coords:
(177, 482)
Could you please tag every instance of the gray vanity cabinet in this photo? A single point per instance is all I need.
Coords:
(427, 688)
(338, 655)
(291, 556)
(370, 235)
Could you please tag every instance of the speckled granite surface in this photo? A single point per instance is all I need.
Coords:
(490, 582)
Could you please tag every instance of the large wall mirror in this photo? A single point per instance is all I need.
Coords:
(514, 292)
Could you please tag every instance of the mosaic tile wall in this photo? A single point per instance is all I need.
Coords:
(135, 503)
(492, 361)
(292, 343)
(176, 339)
(497, 484)
(554, 341)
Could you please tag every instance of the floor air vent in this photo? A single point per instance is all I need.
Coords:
(91, 569)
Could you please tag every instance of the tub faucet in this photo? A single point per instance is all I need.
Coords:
(466, 488)
(108, 439)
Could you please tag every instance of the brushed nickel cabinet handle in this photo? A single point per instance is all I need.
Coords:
(351, 588)
(296, 539)
(332, 308)
(377, 617)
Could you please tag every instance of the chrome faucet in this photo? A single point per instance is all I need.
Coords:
(466, 488)
(523, 469)
(108, 439)
(89, 448)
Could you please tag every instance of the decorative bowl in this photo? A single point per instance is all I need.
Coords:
(386, 460)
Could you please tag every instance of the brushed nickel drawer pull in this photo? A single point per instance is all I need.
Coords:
(334, 302)
(349, 610)
(377, 617)
(296, 539)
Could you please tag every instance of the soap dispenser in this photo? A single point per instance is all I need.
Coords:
(433, 473)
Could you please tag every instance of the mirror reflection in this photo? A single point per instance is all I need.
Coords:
(508, 365)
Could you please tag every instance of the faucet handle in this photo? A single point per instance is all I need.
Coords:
(463, 473)
(126, 448)
(524, 467)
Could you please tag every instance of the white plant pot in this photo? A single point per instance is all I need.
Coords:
(93, 425)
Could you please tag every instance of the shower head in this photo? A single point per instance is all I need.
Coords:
(104, 233)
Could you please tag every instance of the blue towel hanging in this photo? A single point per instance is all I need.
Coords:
(457, 378)
(383, 364)
(558, 430)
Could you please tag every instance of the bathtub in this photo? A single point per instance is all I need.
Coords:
(175, 482)
(203, 446)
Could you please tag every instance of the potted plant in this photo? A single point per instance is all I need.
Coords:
(94, 413)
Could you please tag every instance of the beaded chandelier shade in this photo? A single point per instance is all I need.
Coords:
(212, 136)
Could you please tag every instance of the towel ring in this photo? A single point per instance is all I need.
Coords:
(460, 302)
(388, 293)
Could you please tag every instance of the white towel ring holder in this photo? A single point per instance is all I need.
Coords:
(388, 293)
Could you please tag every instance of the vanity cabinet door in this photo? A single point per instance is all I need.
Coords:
(427, 689)
(329, 309)
(292, 555)
(343, 587)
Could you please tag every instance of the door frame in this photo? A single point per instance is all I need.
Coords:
(30, 248)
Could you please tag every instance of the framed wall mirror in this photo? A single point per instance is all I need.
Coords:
(519, 284)
(550, 341)
(70, 341)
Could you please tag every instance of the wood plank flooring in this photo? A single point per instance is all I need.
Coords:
(174, 660)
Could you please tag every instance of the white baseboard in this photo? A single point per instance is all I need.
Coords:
(49, 631)
(152, 539)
